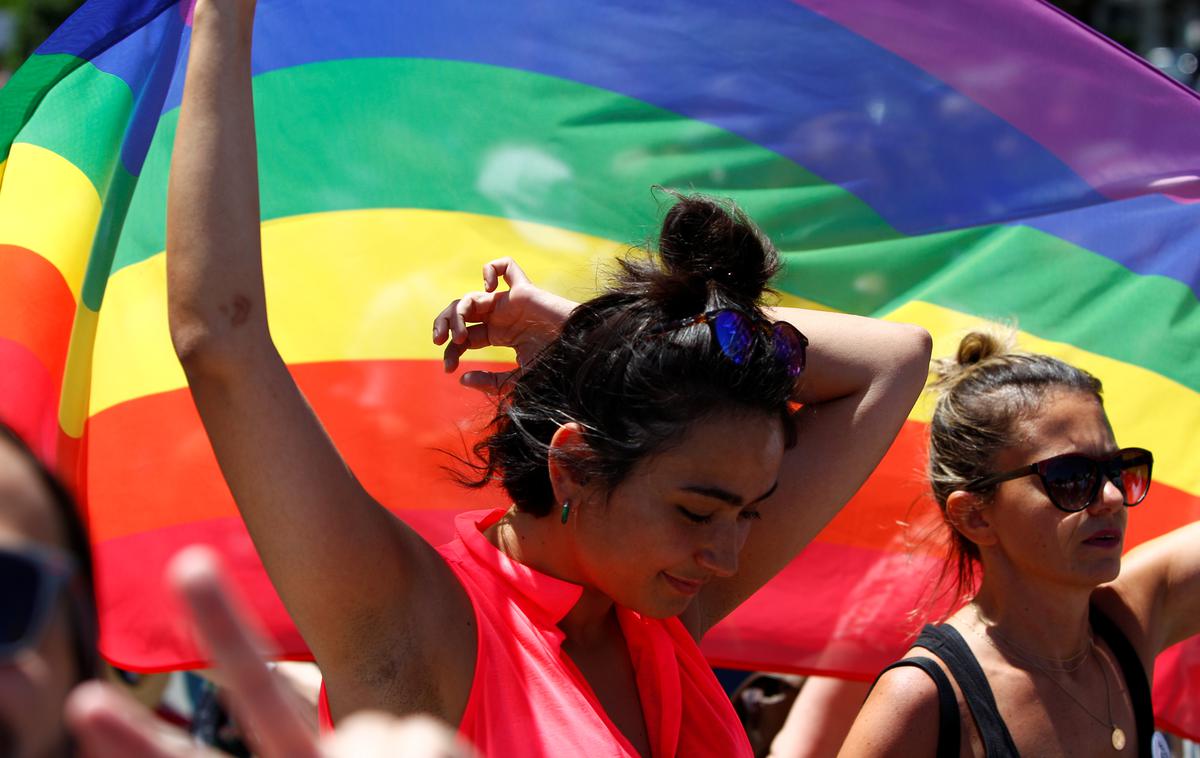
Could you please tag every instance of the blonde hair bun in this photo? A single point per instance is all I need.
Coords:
(977, 348)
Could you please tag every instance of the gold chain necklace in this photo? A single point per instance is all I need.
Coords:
(1068, 665)
(1118, 734)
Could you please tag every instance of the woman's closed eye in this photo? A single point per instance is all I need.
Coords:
(692, 516)
(749, 514)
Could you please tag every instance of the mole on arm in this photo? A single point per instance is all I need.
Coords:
(241, 310)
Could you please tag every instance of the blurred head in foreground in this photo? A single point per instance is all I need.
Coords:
(47, 608)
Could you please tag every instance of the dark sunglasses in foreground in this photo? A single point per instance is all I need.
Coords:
(1072, 481)
(31, 579)
(734, 330)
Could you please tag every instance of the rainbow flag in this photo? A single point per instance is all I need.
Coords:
(939, 163)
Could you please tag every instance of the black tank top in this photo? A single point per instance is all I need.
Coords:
(952, 649)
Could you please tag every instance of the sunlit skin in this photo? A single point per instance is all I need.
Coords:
(1042, 568)
(1039, 572)
(1030, 538)
(34, 684)
(355, 579)
(677, 521)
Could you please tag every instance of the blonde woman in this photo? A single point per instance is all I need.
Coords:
(1054, 654)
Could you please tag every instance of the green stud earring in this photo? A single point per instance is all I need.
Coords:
(566, 510)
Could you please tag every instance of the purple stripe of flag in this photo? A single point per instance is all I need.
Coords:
(1109, 117)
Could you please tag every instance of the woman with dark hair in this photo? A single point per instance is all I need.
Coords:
(658, 472)
(47, 619)
(1054, 652)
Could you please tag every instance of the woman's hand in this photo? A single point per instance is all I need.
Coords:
(522, 317)
(108, 722)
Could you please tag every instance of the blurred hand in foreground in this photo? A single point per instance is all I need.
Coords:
(106, 721)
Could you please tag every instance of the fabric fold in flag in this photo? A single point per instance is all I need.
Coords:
(1048, 183)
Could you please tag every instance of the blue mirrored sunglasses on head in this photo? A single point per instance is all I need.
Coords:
(31, 579)
(734, 330)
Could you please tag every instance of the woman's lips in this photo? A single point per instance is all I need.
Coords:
(1105, 538)
(684, 586)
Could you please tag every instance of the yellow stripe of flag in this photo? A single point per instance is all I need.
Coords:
(363, 285)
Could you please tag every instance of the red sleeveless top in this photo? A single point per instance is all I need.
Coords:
(529, 699)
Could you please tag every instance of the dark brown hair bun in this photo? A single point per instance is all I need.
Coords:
(631, 367)
(710, 254)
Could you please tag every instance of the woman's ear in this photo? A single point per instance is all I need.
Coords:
(968, 512)
(567, 449)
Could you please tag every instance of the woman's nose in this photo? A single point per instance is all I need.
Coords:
(721, 555)
(1110, 497)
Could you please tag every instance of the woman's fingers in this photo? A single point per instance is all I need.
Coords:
(477, 336)
(106, 721)
(441, 323)
(482, 319)
(259, 699)
(472, 307)
(452, 321)
(503, 267)
(488, 382)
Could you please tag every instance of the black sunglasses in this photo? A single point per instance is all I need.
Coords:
(31, 579)
(1072, 481)
(734, 330)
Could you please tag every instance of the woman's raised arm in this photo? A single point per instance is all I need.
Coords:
(349, 573)
(1160, 585)
(862, 378)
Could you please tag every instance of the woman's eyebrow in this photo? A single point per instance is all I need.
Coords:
(717, 493)
(724, 495)
(766, 494)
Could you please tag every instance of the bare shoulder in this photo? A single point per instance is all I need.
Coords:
(906, 693)
(899, 717)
